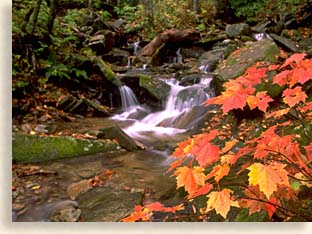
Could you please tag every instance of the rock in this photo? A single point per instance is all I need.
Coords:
(286, 43)
(115, 132)
(86, 174)
(147, 88)
(81, 106)
(117, 56)
(192, 52)
(190, 79)
(235, 30)
(211, 58)
(34, 148)
(261, 26)
(66, 214)
(107, 71)
(77, 188)
(106, 204)
(237, 63)
(102, 42)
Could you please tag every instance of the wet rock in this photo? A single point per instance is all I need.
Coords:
(34, 148)
(117, 56)
(108, 204)
(211, 58)
(115, 132)
(86, 174)
(237, 63)
(147, 87)
(190, 79)
(192, 52)
(286, 43)
(77, 188)
(66, 214)
(234, 30)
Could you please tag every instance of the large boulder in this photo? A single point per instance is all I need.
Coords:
(238, 62)
(34, 148)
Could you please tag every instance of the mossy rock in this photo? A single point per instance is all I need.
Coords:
(34, 148)
(107, 71)
(157, 88)
(238, 62)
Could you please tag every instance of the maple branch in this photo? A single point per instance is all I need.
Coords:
(273, 204)
(306, 173)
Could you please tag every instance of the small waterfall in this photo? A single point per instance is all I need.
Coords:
(179, 56)
(136, 47)
(129, 63)
(128, 98)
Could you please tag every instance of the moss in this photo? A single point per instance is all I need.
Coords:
(33, 148)
(107, 71)
(156, 88)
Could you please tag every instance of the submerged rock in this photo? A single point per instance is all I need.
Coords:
(116, 133)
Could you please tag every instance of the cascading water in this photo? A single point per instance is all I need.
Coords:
(180, 102)
(128, 98)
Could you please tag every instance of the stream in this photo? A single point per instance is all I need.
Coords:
(128, 178)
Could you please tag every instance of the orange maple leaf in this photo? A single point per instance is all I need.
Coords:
(308, 150)
(294, 96)
(157, 206)
(218, 172)
(234, 97)
(190, 178)
(205, 153)
(201, 191)
(294, 59)
(139, 213)
(221, 202)
(267, 177)
(281, 78)
(261, 101)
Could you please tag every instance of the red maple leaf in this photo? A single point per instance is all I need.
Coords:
(294, 96)
(295, 58)
(261, 101)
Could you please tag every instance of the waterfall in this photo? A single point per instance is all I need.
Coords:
(181, 108)
(179, 56)
(136, 47)
(128, 98)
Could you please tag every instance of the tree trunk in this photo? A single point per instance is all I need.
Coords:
(35, 16)
(173, 36)
(52, 15)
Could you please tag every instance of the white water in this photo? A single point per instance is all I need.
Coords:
(180, 100)
(128, 98)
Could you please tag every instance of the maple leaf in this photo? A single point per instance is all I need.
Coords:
(201, 191)
(308, 150)
(303, 179)
(294, 58)
(228, 146)
(281, 78)
(268, 177)
(294, 96)
(221, 202)
(306, 107)
(175, 164)
(278, 113)
(183, 148)
(232, 158)
(139, 213)
(234, 97)
(205, 153)
(218, 172)
(190, 178)
(261, 101)
(254, 204)
(157, 206)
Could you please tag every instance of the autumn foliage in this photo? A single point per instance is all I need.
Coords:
(260, 168)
